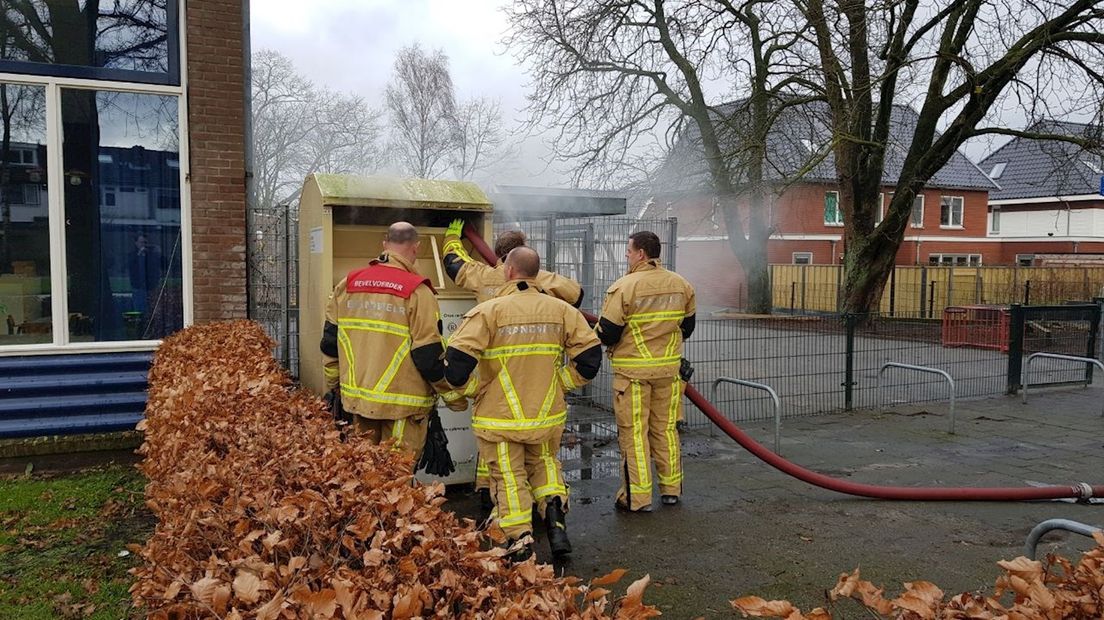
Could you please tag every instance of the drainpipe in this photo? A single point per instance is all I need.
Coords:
(247, 134)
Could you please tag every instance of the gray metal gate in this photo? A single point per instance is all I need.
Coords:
(273, 278)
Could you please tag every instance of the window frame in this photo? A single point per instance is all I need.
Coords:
(174, 12)
(923, 206)
(961, 212)
(994, 221)
(839, 212)
(794, 255)
(939, 257)
(54, 166)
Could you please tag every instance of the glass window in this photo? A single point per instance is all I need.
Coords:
(950, 212)
(880, 213)
(832, 214)
(125, 40)
(917, 219)
(25, 302)
(803, 258)
(994, 221)
(123, 251)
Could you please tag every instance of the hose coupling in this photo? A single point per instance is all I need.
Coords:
(1084, 491)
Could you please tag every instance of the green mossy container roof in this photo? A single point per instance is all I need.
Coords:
(354, 190)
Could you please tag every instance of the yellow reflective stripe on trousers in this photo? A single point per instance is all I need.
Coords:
(643, 466)
(398, 429)
(514, 514)
(554, 486)
(520, 350)
(674, 456)
(406, 400)
(638, 362)
(499, 424)
(510, 393)
(663, 315)
(481, 468)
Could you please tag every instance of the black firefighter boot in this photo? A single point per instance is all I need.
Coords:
(556, 524)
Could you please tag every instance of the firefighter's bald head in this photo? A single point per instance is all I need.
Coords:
(521, 263)
(402, 238)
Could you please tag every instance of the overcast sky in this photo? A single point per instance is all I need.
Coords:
(350, 45)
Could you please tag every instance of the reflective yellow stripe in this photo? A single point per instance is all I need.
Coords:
(554, 486)
(454, 245)
(406, 400)
(473, 386)
(522, 350)
(373, 325)
(642, 465)
(510, 393)
(641, 488)
(397, 432)
(481, 468)
(636, 362)
(565, 379)
(672, 345)
(499, 424)
(396, 360)
(350, 359)
(549, 398)
(330, 372)
(514, 515)
(638, 338)
(664, 315)
(674, 455)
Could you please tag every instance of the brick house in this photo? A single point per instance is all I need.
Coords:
(1048, 208)
(122, 199)
(805, 221)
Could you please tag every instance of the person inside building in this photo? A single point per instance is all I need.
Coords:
(381, 346)
(484, 281)
(646, 317)
(525, 349)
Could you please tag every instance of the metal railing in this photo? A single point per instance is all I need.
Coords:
(758, 386)
(927, 369)
(1055, 356)
(1050, 525)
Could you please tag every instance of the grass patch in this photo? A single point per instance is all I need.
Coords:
(60, 540)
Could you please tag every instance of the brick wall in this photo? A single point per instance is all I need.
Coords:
(216, 131)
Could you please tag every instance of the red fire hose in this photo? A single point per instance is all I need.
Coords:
(961, 494)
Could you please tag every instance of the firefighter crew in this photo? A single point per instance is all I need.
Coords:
(647, 315)
(484, 281)
(517, 344)
(382, 345)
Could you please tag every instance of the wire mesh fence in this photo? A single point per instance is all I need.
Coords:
(273, 249)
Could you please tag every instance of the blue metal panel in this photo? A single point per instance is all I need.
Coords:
(69, 394)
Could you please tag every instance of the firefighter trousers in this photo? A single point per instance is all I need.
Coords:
(482, 474)
(522, 474)
(409, 433)
(647, 411)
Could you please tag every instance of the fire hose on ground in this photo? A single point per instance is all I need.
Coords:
(1081, 491)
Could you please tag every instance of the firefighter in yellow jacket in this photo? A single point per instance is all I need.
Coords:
(529, 348)
(382, 345)
(484, 281)
(647, 315)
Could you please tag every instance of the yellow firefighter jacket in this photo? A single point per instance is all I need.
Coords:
(484, 281)
(519, 341)
(382, 341)
(645, 318)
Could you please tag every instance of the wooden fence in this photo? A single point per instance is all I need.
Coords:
(925, 291)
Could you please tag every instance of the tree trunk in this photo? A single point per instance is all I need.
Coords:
(757, 271)
(866, 271)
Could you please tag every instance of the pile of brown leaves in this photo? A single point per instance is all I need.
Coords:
(1028, 590)
(264, 513)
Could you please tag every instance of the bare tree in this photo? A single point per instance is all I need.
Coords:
(613, 75)
(959, 62)
(299, 129)
(422, 110)
(479, 140)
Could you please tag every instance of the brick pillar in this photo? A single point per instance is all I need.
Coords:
(216, 131)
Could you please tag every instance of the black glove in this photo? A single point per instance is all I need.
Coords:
(342, 419)
(685, 370)
(436, 459)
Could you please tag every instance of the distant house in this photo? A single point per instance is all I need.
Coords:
(1048, 208)
(804, 216)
